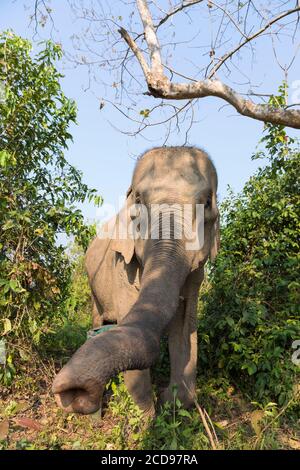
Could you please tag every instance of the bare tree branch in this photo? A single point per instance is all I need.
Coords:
(151, 37)
(137, 52)
(127, 44)
(250, 38)
(177, 9)
(160, 86)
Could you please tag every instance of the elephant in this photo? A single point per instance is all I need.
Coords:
(149, 286)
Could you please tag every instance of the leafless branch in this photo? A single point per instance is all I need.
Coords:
(151, 37)
(136, 52)
(250, 38)
(160, 86)
(177, 9)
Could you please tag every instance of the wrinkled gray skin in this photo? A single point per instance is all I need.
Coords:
(149, 287)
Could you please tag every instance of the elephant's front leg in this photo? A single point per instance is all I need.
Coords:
(97, 314)
(138, 383)
(183, 345)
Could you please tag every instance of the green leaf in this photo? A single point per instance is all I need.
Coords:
(145, 112)
(184, 413)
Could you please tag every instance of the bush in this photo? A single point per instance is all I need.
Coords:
(74, 319)
(250, 310)
(39, 191)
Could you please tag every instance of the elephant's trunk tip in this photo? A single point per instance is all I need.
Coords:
(74, 398)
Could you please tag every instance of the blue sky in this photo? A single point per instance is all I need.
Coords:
(106, 156)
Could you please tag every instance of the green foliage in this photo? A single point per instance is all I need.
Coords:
(173, 428)
(176, 428)
(250, 312)
(39, 191)
(127, 431)
(74, 317)
(78, 303)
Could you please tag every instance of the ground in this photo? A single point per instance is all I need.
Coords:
(30, 419)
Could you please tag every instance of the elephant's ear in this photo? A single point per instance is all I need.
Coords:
(215, 240)
(213, 247)
(122, 243)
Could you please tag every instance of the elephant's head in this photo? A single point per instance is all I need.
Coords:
(171, 182)
(167, 186)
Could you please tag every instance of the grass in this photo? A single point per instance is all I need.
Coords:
(30, 419)
(35, 422)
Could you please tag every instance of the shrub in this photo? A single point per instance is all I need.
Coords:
(250, 311)
(39, 191)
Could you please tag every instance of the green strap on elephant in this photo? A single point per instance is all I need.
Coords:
(96, 331)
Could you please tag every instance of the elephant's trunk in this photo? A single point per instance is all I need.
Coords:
(134, 344)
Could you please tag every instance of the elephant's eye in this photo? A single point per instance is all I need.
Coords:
(137, 198)
(208, 203)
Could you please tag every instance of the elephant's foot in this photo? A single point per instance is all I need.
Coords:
(148, 409)
(138, 383)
